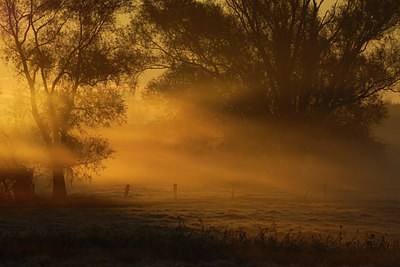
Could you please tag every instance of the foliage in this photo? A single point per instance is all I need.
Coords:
(16, 180)
(68, 54)
(279, 59)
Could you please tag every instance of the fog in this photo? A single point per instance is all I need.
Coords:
(182, 141)
(176, 142)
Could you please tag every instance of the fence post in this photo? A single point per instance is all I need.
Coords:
(127, 190)
(175, 191)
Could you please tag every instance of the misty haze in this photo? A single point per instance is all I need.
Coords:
(210, 133)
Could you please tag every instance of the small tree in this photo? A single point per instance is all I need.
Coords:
(65, 50)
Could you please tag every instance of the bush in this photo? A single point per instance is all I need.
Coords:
(16, 182)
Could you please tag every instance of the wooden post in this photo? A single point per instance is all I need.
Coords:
(127, 190)
(175, 191)
(233, 192)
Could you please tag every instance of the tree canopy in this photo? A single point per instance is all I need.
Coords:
(66, 50)
(265, 60)
(285, 60)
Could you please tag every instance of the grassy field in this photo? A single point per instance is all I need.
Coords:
(205, 227)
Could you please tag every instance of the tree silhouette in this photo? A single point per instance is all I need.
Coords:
(67, 54)
(16, 179)
(282, 59)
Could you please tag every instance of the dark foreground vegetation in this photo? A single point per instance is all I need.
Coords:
(183, 246)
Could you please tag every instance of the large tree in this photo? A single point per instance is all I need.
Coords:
(67, 54)
(280, 59)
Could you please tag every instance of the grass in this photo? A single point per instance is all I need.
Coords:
(70, 202)
(184, 246)
(144, 244)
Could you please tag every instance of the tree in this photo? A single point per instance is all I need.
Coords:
(66, 52)
(283, 60)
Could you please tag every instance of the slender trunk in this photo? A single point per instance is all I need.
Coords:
(59, 189)
(52, 142)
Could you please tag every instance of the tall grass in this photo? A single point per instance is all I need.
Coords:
(181, 245)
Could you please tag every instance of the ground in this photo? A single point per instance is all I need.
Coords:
(260, 226)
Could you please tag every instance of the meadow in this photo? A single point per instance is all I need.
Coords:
(204, 226)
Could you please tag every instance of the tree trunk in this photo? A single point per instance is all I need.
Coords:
(59, 189)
